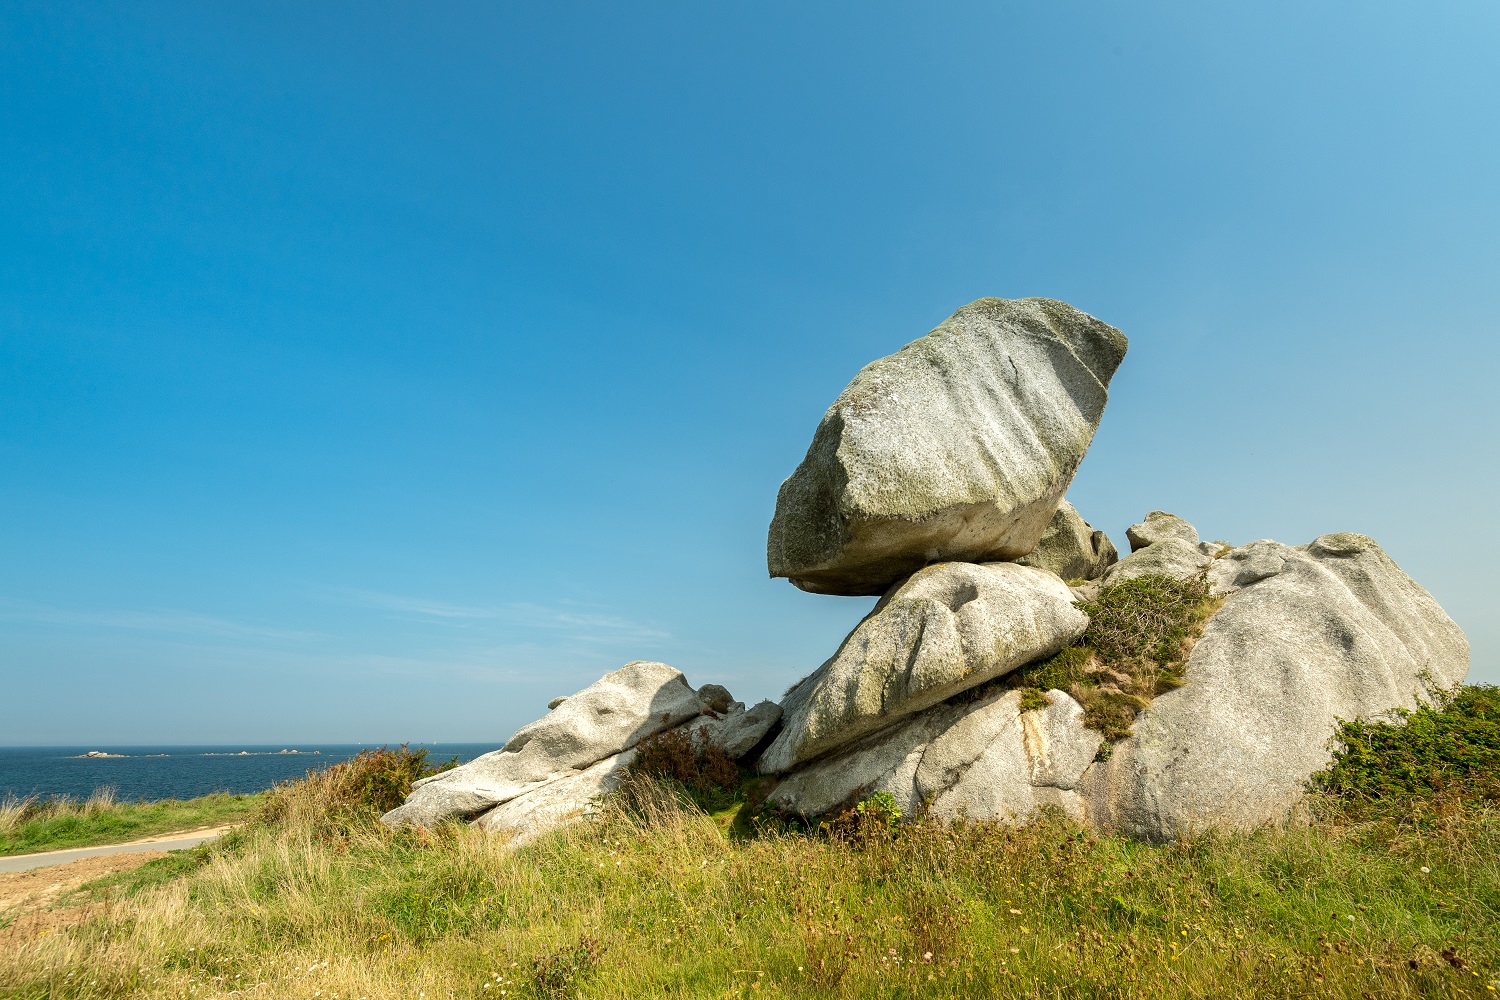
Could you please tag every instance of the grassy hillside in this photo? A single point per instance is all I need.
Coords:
(34, 824)
(1385, 891)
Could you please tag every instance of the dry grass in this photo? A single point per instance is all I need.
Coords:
(656, 900)
(1140, 635)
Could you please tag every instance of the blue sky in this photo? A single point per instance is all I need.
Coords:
(378, 372)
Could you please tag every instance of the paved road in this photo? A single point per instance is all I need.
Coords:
(26, 862)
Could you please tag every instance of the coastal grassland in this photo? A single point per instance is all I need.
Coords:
(314, 899)
(32, 824)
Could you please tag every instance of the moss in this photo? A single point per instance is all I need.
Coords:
(1034, 699)
(1136, 646)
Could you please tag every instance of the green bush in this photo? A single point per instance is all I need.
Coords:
(350, 794)
(1448, 749)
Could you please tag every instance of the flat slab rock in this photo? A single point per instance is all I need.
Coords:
(609, 716)
(957, 447)
(1307, 635)
(948, 628)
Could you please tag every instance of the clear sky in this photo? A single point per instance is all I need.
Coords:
(377, 372)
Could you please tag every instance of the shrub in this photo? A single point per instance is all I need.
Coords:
(1136, 646)
(353, 793)
(692, 761)
(558, 974)
(1446, 750)
(874, 818)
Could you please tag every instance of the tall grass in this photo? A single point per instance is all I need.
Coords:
(656, 899)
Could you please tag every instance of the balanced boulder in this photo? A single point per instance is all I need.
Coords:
(948, 628)
(1307, 635)
(609, 716)
(1071, 547)
(957, 447)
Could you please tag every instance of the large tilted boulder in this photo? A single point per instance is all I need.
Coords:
(1307, 635)
(609, 716)
(948, 628)
(1071, 547)
(984, 760)
(957, 447)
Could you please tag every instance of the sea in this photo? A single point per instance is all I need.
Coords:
(148, 773)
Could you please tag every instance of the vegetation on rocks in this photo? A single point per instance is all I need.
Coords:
(1140, 634)
(693, 763)
(661, 900)
(32, 824)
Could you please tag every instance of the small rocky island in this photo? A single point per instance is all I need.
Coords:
(937, 480)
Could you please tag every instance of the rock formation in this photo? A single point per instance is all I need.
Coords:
(937, 480)
(1307, 635)
(948, 628)
(957, 447)
(1071, 547)
(600, 722)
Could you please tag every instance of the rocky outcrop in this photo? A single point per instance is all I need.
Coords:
(1158, 527)
(983, 760)
(576, 796)
(948, 628)
(1071, 547)
(957, 447)
(744, 732)
(609, 716)
(1163, 544)
(1306, 636)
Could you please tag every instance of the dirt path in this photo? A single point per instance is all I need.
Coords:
(165, 842)
(26, 898)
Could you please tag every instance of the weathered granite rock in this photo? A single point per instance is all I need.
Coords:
(742, 732)
(956, 447)
(568, 799)
(985, 760)
(885, 761)
(1307, 635)
(1168, 557)
(1162, 544)
(949, 627)
(1071, 547)
(1001, 763)
(610, 715)
(716, 697)
(1159, 526)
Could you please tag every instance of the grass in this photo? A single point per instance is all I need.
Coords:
(36, 824)
(1136, 646)
(659, 900)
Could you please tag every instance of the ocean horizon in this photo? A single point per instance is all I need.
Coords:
(182, 771)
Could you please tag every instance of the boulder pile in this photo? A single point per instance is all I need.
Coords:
(937, 480)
